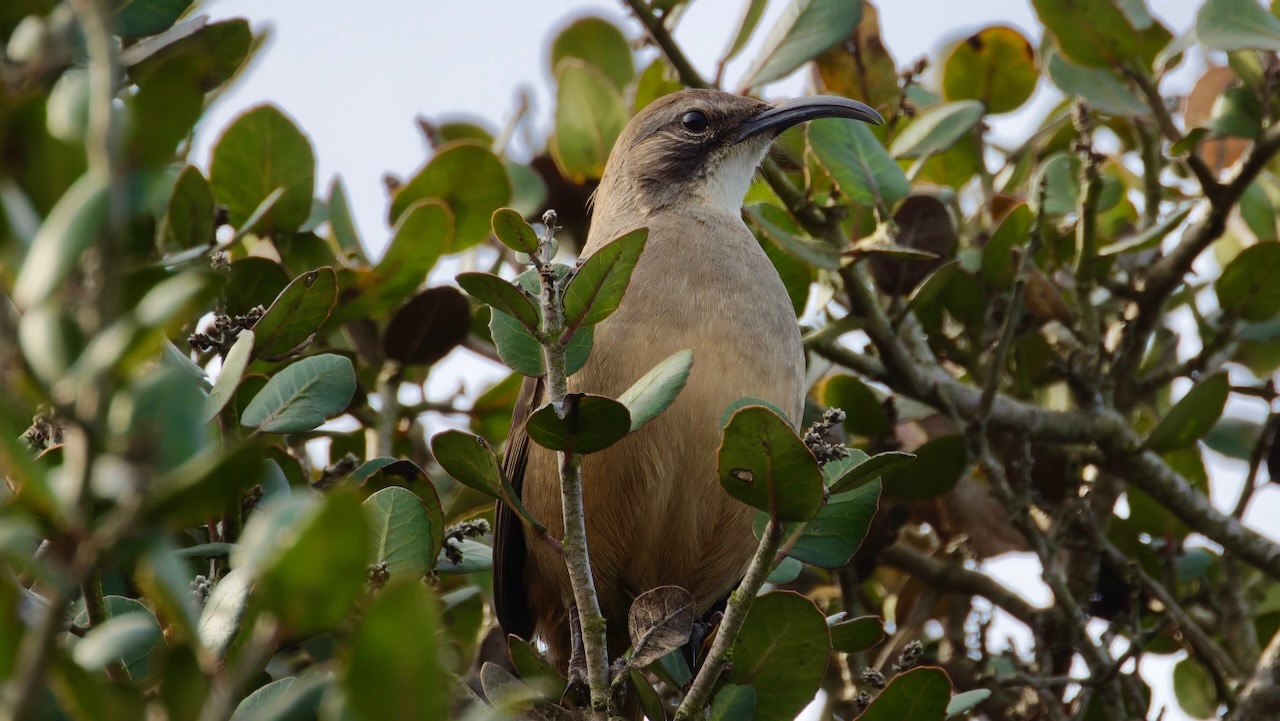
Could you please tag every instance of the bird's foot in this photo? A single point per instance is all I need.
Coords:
(577, 653)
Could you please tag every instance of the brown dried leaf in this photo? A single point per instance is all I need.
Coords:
(660, 622)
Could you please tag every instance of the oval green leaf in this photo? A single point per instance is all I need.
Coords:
(596, 289)
(937, 129)
(260, 151)
(469, 179)
(393, 670)
(657, 389)
(303, 395)
(599, 43)
(764, 464)
(857, 634)
(805, 29)
(782, 653)
(233, 367)
(403, 533)
(1193, 416)
(510, 228)
(860, 473)
(831, 537)
(938, 466)
(590, 115)
(995, 66)
(293, 319)
(502, 295)
(188, 220)
(584, 424)
(921, 694)
(1237, 25)
(857, 162)
(1247, 286)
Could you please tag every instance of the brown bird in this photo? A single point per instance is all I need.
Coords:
(655, 512)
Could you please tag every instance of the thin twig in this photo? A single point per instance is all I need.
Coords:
(735, 613)
(688, 75)
(576, 555)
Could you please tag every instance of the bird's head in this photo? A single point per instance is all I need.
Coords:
(703, 146)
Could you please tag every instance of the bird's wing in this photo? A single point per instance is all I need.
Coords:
(509, 551)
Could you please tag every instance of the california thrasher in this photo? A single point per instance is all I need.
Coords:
(655, 512)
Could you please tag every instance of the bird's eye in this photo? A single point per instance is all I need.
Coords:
(695, 121)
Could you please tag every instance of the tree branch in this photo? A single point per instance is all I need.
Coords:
(1260, 698)
(688, 75)
(955, 577)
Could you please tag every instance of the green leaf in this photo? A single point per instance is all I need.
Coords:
(283, 700)
(393, 670)
(403, 534)
(224, 612)
(118, 639)
(657, 80)
(996, 66)
(648, 699)
(599, 43)
(1060, 174)
(303, 395)
(657, 389)
(874, 467)
(1259, 211)
(864, 411)
(341, 221)
(590, 115)
(188, 220)
(782, 652)
(166, 413)
(764, 464)
(857, 634)
(69, 229)
(787, 570)
(938, 466)
(233, 367)
(937, 129)
(502, 295)
(963, 703)
(260, 151)
(857, 162)
(292, 321)
(1099, 87)
(751, 15)
(596, 290)
(1096, 33)
(214, 51)
(309, 555)
(805, 29)
(1237, 25)
(254, 281)
(1195, 690)
(921, 694)
(1192, 417)
(530, 665)
(522, 353)
(733, 702)
(469, 460)
(1148, 238)
(165, 578)
(776, 225)
(1247, 285)
(997, 258)
(583, 424)
(128, 635)
(513, 231)
(138, 18)
(476, 557)
(423, 232)
(831, 537)
(426, 328)
(466, 177)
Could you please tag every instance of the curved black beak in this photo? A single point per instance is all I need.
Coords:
(793, 112)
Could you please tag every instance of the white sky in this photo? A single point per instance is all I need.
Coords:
(355, 74)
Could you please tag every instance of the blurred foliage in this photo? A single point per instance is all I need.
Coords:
(227, 490)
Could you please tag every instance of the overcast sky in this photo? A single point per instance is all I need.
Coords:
(355, 74)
